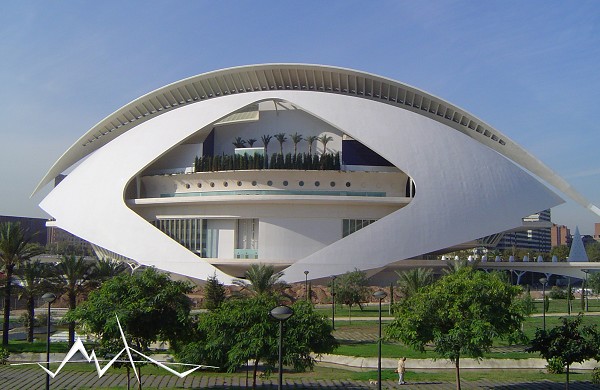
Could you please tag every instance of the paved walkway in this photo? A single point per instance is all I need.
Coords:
(33, 378)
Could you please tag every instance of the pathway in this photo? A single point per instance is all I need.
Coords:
(33, 378)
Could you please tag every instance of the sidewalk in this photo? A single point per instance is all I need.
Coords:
(34, 378)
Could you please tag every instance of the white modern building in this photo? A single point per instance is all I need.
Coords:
(405, 174)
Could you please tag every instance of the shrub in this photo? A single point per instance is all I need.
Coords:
(555, 366)
(559, 293)
(596, 376)
(4, 354)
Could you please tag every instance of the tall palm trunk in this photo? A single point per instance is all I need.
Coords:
(31, 319)
(7, 292)
(72, 306)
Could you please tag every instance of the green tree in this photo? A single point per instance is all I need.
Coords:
(149, 306)
(214, 293)
(352, 289)
(412, 280)
(569, 342)
(593, 251)
(265, 140)
(239, 142)
(34, 283)
(281, 138)
(311, 140)
(526, 303)
(296, 139)
(561, 252)
(15, 248)
(461, 314)
(325, 139)
(105, 269)
(242, 330)
(73, 276)
(262, 279)
(594, 282)
(458, 264)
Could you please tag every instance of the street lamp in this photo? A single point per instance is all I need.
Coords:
(306, 285)
(543, 281)
(379, 295)
(49, 298)
(583, 290)
(333, 302)
(281, 313)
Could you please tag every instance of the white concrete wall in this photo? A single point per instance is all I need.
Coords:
(295, 238)
(464, 190)
(177, 159)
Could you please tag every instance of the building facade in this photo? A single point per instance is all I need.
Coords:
(535, 235)
(34, 227)
(306, 167)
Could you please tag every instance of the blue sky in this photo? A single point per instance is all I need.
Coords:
(531, 69)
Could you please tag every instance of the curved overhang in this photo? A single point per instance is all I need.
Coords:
(310, 78)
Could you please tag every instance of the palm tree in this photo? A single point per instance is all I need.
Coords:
(311, 139)
(73, 276)
(239, 142)
(34, 282)
(281, 138)
(457, 264)
(296, 138)
(15, 248)
(324, 139)
(412, 280)
(251, 141)
(262, 279)
(105, 269)
(266, 139)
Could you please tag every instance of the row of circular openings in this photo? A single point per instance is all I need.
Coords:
(269, 183)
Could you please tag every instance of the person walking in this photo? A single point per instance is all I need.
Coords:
(401, 370)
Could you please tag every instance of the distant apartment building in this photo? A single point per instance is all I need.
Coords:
(560, 235)
(59, 240)
(535, 235)
(597, 231)
(36, 227)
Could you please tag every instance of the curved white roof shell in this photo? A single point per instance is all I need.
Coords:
(303, 77)
(464, 190)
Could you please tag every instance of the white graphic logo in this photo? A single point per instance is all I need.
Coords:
(79, 347)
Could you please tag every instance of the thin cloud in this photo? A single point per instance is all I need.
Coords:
(586, 173)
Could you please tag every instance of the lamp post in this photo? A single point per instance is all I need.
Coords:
(543, 281)
(49, 298)
(379, 295)
(281, 313)
(584, 288)
(333, 302)
(306, 285)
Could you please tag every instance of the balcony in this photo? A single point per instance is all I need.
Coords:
(246, 253)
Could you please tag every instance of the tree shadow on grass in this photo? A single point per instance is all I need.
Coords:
(542, 385)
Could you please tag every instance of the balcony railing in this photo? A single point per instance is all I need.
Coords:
(246, 253)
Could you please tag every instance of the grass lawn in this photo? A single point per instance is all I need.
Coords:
(393, 350)
(556, 306)
(21, 346)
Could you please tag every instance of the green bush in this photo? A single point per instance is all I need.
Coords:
(559, 293)
(4, 354)
(596, 376)
(555, 366)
